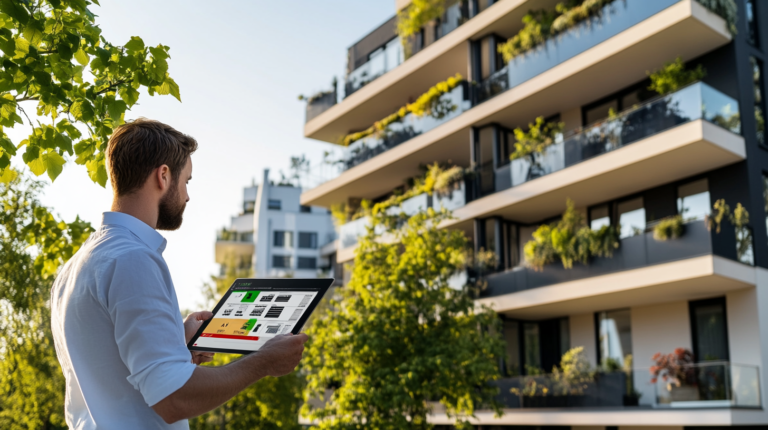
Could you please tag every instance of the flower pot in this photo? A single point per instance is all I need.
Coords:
(683, 394)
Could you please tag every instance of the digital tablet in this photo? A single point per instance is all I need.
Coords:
(255, 310)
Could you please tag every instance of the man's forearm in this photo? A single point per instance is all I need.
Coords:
(210, 387)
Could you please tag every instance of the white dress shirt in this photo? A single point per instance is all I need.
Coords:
(118, 330)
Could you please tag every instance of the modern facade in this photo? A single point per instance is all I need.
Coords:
(626, 156)
(276, 236)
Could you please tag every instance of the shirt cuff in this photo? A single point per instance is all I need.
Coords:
(164, 380)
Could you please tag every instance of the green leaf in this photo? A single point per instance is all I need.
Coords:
(82, 110)
(7, 175)
(135, 44)
(7, 145)
(129, 95)
(173, 87)
(97, 172)
(22, 47)
(63, 142)
(15, 10)
(54, 164)
(82, 58)
(116, 110)
(33, 33)
(37, 166)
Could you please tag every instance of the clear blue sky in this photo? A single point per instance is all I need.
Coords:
(240, 66)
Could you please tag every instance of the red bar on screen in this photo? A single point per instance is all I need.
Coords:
(229, 336)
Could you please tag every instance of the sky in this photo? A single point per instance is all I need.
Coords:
(241, 66)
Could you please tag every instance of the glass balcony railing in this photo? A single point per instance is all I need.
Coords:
(320, 103)
(448, 106)
(694, 102)
(350, 232)
(392, 55)
(705, 385)
(612, 20)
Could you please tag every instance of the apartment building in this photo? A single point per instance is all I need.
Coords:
(276, 236)
(628, 157)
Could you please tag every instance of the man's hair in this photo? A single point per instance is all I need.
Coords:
(138, 147)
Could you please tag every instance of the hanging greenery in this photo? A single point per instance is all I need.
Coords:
(727, 9)
(540, 25)
(674, 76)
(422, 106)
(536, 139)
(570, 239)
(668, 228)
(411, 19)
(440, 180)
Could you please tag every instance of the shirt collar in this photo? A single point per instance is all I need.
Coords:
(140, 229)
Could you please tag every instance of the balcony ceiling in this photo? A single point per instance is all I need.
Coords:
(691, 279)
(404, 84)
(685, 29)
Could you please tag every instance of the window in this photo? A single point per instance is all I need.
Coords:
(599, 216)
(248, 207)
(531, 347)
(246, 237)
(614, 337)
(307, 240)
(709, 330)
(757, 84)
(273, 205)
(752, 36)
(631, 218)
(307, 263)
(599, 112)
(305, 209)
(281, 261)
(512, 338)
(283, 239)
(693, 200)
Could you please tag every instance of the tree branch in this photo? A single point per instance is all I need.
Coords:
(111, 86)
(25, 114)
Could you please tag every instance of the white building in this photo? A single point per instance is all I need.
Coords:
(277, 236)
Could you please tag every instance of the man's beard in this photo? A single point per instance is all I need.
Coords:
(171, 210)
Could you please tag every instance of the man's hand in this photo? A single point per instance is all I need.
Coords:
(192, 323)
(282, 354)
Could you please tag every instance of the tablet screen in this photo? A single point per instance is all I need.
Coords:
(248, 316)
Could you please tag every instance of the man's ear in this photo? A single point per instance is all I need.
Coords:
(162, 176)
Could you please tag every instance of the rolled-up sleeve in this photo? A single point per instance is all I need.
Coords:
(148, 329)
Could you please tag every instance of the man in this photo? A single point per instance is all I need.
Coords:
(115, 317)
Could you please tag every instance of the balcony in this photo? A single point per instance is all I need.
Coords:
(695, 102)
(705, 385)
(391, 55)
(234, 247)
(685, 28)
(320, 103)
(449, 106)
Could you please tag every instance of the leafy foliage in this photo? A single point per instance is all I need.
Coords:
(269, 404)
(424, 105)
(540, 25)
(34, 244)
(411, 19)
(668, 228)
(727, 9)
(53, 54)
(538, 137)
(570, 239)
(399, 336)
(674, 76)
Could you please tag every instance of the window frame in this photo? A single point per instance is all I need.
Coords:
(314, 244)
(272, 207)
(306, 258)
(285, 258)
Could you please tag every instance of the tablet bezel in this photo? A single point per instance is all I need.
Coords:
(321, 285)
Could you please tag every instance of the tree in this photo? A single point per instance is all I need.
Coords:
(399, 336)
(269, 404)
(53, 55)
(32, 247)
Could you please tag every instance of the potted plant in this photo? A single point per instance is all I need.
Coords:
(676, 369)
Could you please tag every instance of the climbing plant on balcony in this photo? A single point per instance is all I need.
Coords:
(438, 179)
(668, 228)
(411, 19)
(536, 139)
(673, 76)
(571, 240)
(426, 104)
(540, 25)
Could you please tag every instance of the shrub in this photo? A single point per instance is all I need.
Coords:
(538, 137)
(674, 76)
(668, 228)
